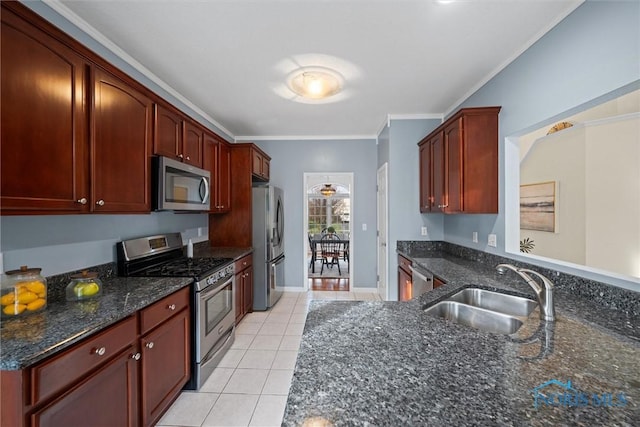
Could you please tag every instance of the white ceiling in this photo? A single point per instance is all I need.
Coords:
(228, 59)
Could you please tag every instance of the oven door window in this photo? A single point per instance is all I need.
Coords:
(217, 306)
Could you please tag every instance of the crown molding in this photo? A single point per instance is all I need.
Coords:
(250, 138)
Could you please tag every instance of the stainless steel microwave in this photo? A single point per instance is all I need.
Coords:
(179, 186)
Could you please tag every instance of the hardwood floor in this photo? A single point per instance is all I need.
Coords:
(334, 284)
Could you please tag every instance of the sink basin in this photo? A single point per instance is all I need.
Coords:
(475, 317)
(495, 301)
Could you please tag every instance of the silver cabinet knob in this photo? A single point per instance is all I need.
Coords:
(135, 356)
(100, 202)
(171, 307)
(82, 201)
(149, 345)
(100, 351)
(181, 156)
(188, 158)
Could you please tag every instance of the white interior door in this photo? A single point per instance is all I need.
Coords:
(383, 253)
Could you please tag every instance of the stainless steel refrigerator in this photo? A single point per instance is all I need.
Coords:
(268, 246)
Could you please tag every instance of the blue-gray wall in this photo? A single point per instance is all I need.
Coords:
(63, 243)
(289, 161)
(594, 51)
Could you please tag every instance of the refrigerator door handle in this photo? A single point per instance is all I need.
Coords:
(277, 261)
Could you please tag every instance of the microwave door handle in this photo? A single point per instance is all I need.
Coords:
(206, 190)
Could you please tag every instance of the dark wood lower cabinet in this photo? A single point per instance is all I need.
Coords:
(165, 366)
(125, 375)
(244, 287)
(106, 398)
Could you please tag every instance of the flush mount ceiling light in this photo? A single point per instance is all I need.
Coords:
(315, 82)
(327, 190)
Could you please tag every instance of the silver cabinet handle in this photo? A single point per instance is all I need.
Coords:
(100, 351)
(443, 206)
(171, 307)
(135, 356)
(82, 201)
(149, 345)
(100, 202)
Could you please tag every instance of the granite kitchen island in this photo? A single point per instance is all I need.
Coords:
(390, 364)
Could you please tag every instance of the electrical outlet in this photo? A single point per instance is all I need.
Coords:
(423, 231)
(493, 240)
(475, 237)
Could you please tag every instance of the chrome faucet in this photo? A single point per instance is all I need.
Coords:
(544, 293)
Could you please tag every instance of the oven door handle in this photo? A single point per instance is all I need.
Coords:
(206, 293)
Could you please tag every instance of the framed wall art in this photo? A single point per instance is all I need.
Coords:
(538, 206)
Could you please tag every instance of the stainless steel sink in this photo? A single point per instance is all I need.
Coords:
(480, 318)
(495, 301)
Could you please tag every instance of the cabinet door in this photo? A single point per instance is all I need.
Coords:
(167, 134)
(106, 398)
(256, 163)
(453, 168)
(265, 168)
(165, 365)
(426, 169)
(239, 302)
(247, 292)
(44, 145)
(224, 177)
(121, 146)
(438, 175)
(191, 144)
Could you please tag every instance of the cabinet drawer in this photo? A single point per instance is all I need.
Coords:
(404, 263)
(162, 310)
(244, 262)
(58, 373)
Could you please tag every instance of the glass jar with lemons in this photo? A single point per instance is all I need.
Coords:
(23, 292)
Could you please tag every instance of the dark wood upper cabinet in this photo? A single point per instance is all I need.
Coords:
(44, 138)
(235, 227)
(121, 146)
(167, 135)
(216, 159)
(459, 164)
(260, 165)
(192, 136)
(176, 137)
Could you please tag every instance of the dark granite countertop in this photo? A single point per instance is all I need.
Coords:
(389, 363)
(29, 339)
(26, 340)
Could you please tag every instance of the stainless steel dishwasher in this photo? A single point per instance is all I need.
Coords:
(422, 281)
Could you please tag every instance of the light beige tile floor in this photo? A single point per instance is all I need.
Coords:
(250, 385)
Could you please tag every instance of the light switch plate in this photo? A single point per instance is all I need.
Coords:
(364, 227)
(492, 241)
(475, 237)
(423, 231)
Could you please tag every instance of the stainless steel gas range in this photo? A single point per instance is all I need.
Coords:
(212, 294)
